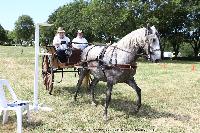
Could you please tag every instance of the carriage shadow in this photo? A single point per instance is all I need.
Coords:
(62, 90)
(99, 89)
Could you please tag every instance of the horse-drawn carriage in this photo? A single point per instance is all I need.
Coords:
(113, 64)
(51, 64)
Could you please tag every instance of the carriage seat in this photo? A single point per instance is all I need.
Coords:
(61, 55)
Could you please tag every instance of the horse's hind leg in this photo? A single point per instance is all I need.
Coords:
(92, 86)
(81, 77)
(132, 83)
(108, 98)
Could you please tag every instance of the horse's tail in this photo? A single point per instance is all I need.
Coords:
(86, 80)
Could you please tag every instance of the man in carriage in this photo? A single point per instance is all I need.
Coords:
(61, 43)
(64, 57)
(79, 42)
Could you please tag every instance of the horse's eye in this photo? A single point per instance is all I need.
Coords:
(154, 40)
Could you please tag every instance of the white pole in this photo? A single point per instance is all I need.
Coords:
(36, 106)
(35, 102)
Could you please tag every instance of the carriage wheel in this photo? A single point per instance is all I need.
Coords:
(47, 74)
(51, 81)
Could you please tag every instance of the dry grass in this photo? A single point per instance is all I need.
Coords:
(170, 99)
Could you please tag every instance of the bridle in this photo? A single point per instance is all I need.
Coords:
(151, 50)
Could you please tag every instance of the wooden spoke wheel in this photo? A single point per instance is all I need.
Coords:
(47, 73)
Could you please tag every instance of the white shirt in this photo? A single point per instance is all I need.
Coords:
(57, 40)
(82, 43)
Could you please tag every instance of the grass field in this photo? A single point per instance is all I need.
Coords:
(170, 99)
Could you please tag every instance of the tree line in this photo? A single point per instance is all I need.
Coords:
(23, 32)
(109, 20)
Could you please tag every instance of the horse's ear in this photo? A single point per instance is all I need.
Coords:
(148, 26)
(149, 30)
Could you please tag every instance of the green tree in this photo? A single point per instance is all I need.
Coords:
(11, 37)
(47, 34)
(101, 20)
(24, 28)
(70, 17)
(171, 18)
(3, 36)
(193, 28)
(104, 20)
(186, 50)
(109, 19)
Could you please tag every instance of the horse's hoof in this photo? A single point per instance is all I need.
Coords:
(93, 103)
(137, 109)
(105, 117)
(75, 98)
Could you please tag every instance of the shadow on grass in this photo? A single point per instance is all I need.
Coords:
(179, 61)
(146, 111)
(32, 125)
(174, 61)
(57, 91)
(126, 106)
(99, 89)
(25, 125)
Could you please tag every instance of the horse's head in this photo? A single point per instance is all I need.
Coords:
(152, 45)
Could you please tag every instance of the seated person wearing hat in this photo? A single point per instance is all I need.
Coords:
(61, 43)
(79, 42)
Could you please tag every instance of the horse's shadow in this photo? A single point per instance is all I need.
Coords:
(146, 111)
(126, 106)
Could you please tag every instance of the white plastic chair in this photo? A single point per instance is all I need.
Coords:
(17, 105)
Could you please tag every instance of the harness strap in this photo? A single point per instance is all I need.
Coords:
(112, 56)
(88, 52)
(102, 64)
(156, 50)
(121, 66)
(100, 58)
(126, 66)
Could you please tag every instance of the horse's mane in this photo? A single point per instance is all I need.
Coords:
(132, 39)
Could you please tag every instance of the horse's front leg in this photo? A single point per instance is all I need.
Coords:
(132, 83)
(92, 86)
(108, 98)
(81, 77)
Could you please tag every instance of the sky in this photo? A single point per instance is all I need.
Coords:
(38, 10)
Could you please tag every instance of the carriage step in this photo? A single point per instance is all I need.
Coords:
(63, 71)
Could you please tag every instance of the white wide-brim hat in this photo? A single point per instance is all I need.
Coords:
(80, 31)
(60, 30)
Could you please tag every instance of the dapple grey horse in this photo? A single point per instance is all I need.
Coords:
(116, 63)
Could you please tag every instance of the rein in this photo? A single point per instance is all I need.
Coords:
(152, 51)
(80, 43)
(107, 66)
(156, 50)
